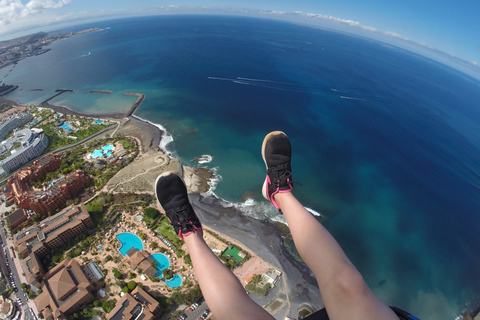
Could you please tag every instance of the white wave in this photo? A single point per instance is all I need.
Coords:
(240, 82)
(213, 183)
(280, 218)
(206, 158)
(351, 98)
(166, 137)
(315, 213)
(86, 55)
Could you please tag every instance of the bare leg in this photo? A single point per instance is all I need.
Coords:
(345, 293)
(224, 294)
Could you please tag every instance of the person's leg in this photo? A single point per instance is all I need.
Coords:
(223, 292)
(344, 292)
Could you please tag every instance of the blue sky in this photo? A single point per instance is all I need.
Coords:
(450, 26)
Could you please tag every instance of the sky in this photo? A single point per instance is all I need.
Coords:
(449, 27)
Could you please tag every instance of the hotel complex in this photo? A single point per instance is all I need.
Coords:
(52, 196)
(23, 146)
(65, 290)
(15, 121)
(136, 305)
(34, 243)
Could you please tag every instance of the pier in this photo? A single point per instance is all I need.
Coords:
(136, 104)
(59, 92)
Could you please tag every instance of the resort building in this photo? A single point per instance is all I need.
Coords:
(53, 196)
(272, 276)
(19, 182)
(57, 194)
(15, 121)
(17, 218)
(37, 241)
(23, 146)
(65, 290)
(136, 305)
(95, 271)
(141, 260)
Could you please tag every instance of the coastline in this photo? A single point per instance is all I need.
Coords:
(265, 240)
(260, 236)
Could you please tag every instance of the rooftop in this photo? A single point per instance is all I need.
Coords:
(50, 226)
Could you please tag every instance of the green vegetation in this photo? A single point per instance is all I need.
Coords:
(257, 286)
(151, 217)
(178, 297)
(108, 305)
(167, 273)
(58, 136)
(126, 145)
(131, 285)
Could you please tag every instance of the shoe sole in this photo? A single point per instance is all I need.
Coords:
(166, 173)
(268, 137)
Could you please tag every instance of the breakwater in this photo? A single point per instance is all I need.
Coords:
(136, 104)
(101, 91)
(58, 92)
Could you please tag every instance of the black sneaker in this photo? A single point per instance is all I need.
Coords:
(276, 153)
(172, 195)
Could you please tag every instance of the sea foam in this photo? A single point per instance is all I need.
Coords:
(166, 136)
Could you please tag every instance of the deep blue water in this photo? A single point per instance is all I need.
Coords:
(386, 142)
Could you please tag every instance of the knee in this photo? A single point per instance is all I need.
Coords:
(347, 281)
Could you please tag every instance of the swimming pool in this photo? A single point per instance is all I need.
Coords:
(162, 263)
(175, 282)
(98, 122)
(139, 218)
(129, 240)
(66, 126)
(104, 152)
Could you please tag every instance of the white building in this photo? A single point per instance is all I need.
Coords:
(23, 146)
(13, 123)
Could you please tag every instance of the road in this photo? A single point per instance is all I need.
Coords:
(6, 263)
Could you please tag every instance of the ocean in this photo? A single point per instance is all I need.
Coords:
(386, 142)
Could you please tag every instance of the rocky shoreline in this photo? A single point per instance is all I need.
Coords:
(262, 237)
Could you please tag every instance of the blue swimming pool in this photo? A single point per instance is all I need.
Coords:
(66, 126)
(162, 263)
(175, 282)
(129, 240)
(98, 122)
(104, 152)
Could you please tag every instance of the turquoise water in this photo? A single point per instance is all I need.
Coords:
(386, 142)
(98, 122)
(104, 152)
(65, 126)
(101, 247)
(175, 282)
(139, 218)
(129, 240)
(163, 263)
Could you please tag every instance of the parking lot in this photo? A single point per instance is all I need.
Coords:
(196, 311)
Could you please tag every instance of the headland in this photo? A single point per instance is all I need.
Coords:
(262, 238)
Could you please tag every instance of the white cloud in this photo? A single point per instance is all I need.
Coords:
(12, 10)
(326, 17)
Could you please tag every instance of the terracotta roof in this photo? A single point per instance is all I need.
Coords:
(16, 216)
(61, 284)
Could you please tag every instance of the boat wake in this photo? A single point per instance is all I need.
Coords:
(295, 87)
